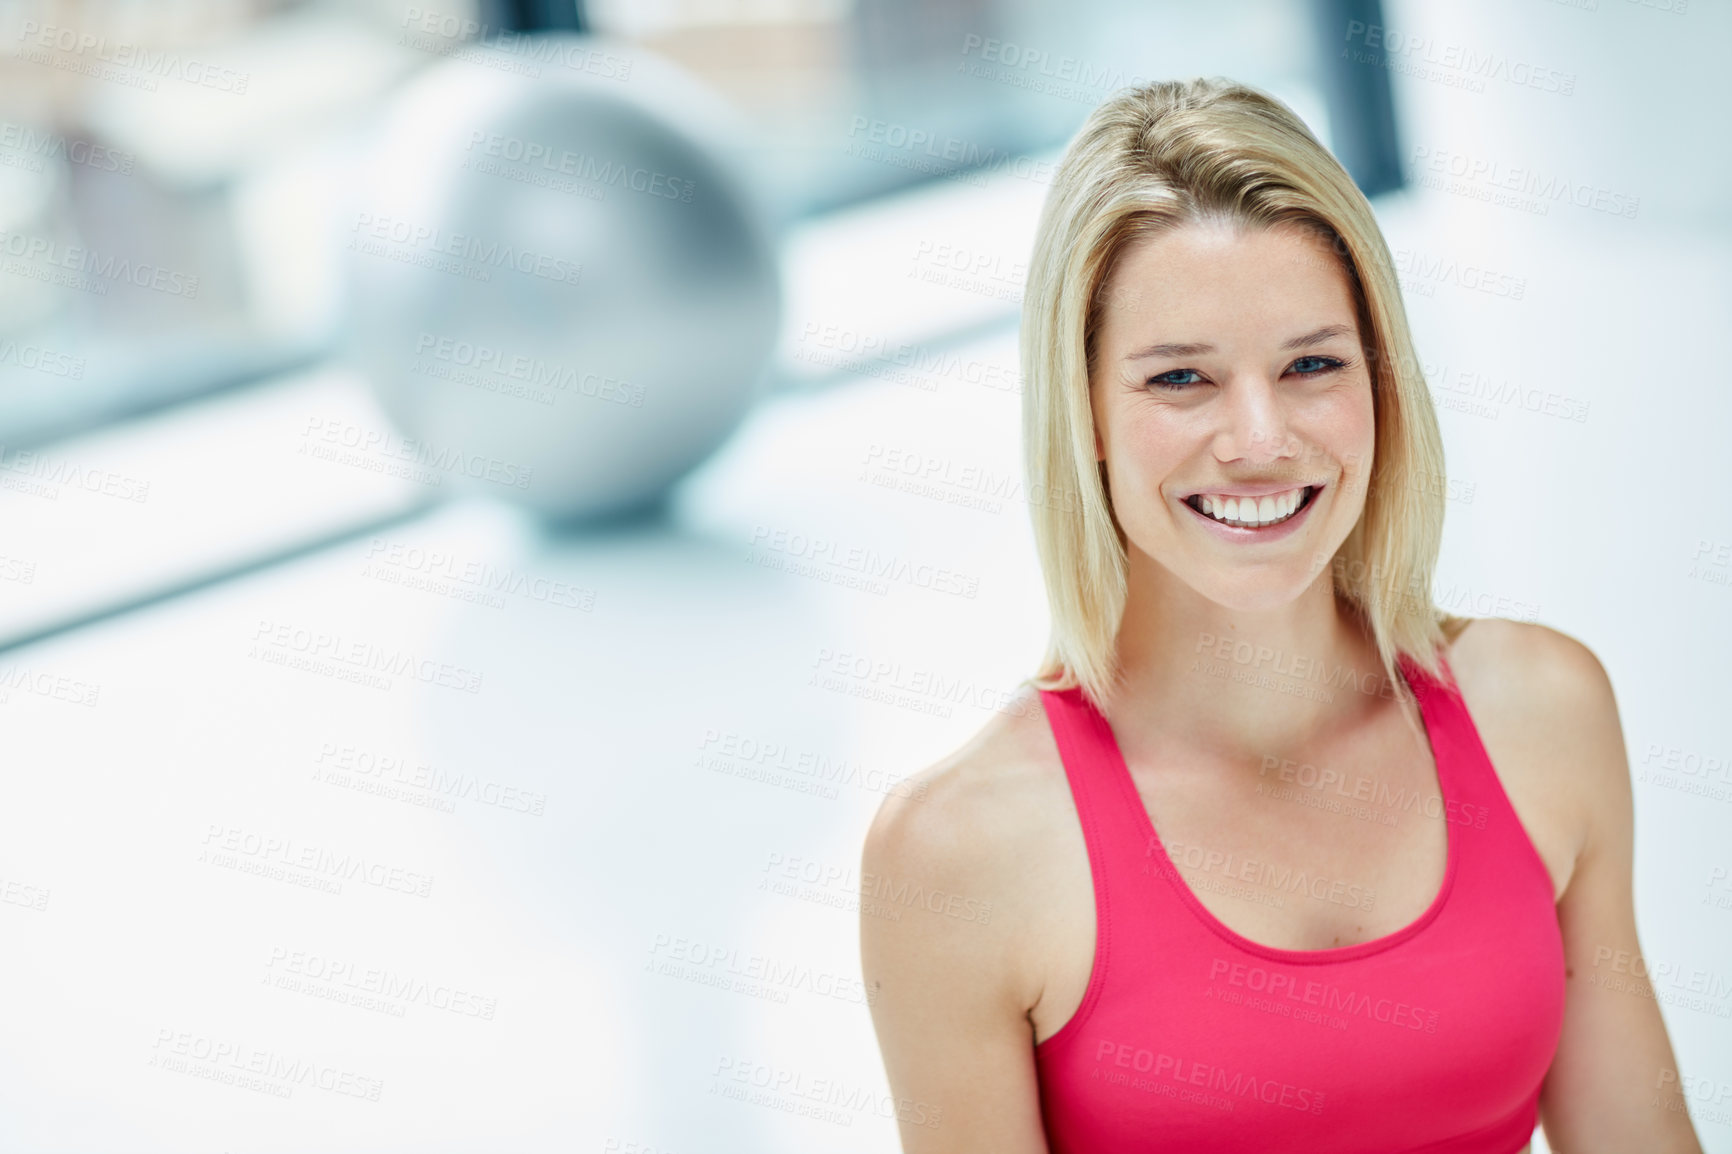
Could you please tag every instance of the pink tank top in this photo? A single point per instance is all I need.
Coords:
(1192, 1038)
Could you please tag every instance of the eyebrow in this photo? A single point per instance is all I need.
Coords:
(1327, 332)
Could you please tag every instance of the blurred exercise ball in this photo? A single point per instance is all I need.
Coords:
(563, 283)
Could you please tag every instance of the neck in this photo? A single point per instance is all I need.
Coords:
(1240, 684)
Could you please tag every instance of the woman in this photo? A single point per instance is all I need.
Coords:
(1279, 856)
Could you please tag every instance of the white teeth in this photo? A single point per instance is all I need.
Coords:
(1252, 511)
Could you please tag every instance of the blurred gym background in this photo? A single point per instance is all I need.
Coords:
(493, 495)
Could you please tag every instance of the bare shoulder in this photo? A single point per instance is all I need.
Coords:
(978, 806)
(976, 823)
(1538, 678)
(945, 913)
(1546, 712)
(1524, 657)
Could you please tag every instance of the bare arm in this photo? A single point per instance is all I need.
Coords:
(947, 999)
(1613, 1085)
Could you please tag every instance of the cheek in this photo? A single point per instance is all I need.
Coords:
(1148, 445)
(1343, 427)
(1339, 414)
(1359, 421)
(1144, 451)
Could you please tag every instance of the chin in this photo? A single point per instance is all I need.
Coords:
(1255, 599)
(1247, 592)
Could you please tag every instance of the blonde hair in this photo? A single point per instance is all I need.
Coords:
(1149, 159)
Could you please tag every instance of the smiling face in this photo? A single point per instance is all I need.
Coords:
(1229, 378)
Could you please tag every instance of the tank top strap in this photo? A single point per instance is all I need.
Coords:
(1112, 816)
(1474, 796)
(1463, 768)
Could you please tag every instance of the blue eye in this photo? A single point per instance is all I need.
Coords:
(1161, 381)
(1324, 363)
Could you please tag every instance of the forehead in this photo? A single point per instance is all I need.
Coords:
(1212, 280)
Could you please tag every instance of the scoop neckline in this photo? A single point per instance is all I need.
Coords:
(1182, 888)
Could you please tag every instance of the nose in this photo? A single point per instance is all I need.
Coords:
(1254, 423)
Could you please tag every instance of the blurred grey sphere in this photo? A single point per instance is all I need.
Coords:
(562, 286)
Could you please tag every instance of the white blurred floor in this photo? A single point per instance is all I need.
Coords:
(621, 817)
